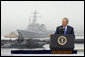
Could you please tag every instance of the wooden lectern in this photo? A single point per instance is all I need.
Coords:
(61, 52)
(62, 44)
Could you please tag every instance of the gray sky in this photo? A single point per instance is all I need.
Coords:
(16, 14)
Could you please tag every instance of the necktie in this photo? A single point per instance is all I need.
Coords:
(64, 30)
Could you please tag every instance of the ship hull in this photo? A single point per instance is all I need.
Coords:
(28, 34)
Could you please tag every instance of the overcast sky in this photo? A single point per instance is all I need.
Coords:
(16, 14)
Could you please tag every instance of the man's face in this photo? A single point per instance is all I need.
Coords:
(64, 22)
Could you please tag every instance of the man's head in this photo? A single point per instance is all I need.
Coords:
(65, 21)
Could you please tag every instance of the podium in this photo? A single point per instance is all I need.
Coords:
(62, 44)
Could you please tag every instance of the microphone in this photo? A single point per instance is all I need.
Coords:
(61, 29)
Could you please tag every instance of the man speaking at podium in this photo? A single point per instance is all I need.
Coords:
(64, 28)
(63, 45)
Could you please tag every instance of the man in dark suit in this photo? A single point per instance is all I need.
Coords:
(64, 28)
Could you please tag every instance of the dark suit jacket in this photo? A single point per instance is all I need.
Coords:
(70, 30)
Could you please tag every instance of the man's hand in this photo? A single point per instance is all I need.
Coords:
(50, 35)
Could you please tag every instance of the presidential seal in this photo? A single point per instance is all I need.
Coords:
(62, 40)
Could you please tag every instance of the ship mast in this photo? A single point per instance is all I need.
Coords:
(34, 17)
(34, 21)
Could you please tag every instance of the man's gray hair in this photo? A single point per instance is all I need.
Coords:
(66, 19)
